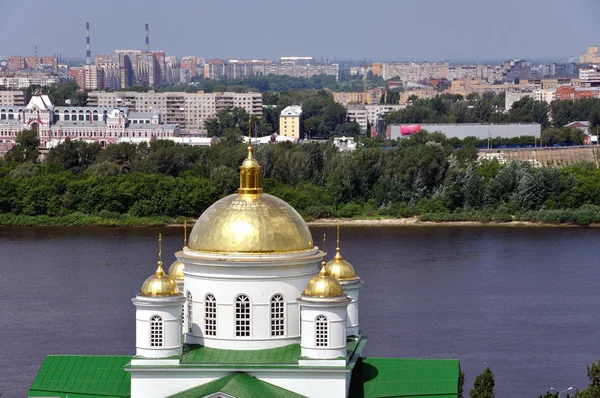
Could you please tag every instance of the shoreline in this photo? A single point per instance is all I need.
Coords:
(414, 222)
(45, 221)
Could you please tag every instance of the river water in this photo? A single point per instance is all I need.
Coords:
(521, 300)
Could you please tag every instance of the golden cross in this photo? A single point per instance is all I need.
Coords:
(324, 241)
(159, 247)
(250, 129)
(185, 233)
(338, 236)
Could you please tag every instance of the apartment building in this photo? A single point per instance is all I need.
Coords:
(189, 64)
(21, 63)
(592, 56)
(188, 110)
(112, 75)
(290, 122)
(358, 97)
(358, 114)
(414, 72)
(218, 69)
(12, 98)
(88, 77)
(25, 79)
(590, 75)
(576, 93)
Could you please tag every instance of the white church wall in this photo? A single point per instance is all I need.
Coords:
(259, 281)
(352, 324)
(169, 311)
(336, 330)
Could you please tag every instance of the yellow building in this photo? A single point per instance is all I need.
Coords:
(357, 97)
(290, 122)
(376, 68)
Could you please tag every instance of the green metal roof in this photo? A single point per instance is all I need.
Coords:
(197, 354)
(407, 378)
(287, 355)
(82, 376)
(238, 385)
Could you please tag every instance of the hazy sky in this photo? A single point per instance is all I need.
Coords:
(379, 30)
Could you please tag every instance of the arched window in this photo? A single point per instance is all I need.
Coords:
(277, 315)
(321, 331)
(242, 316)
(156, 331)
(190, 307)
(210, 315)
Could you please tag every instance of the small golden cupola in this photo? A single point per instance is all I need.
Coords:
(323, 285)
(176, 269)
(159, 284)
(339, 268)
(250, 169)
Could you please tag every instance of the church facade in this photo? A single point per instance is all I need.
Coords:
(250, 308)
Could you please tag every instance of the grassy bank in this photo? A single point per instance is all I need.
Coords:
(80, 219)
(583, 216)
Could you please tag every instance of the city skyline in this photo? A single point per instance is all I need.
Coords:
(412, 30)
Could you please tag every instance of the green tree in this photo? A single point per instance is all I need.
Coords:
(593, 389)
(484, 385)
(461, 384)
(227, 118)
(26, 148)
(74, 154)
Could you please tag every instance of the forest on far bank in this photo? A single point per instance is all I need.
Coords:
(425, 176)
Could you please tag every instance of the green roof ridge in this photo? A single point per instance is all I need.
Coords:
(239, 385)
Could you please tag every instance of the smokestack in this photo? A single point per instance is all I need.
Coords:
(88, 52)
(147, 39)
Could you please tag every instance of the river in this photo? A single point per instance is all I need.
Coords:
(521, 300)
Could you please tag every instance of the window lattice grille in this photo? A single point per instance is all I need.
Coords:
(242, 316)
(156, 331)
(210, 316)
(321, 331)
(277, 315)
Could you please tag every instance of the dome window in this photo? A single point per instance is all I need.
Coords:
(277, 315)
(210, 316)
(156, 331)
(321, 331)
(190, 307)
(242, 316)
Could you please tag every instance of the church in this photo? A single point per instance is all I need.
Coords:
(251, 308)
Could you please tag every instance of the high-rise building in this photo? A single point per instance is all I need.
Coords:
(100, 59)
(172, 70)
(592, 56)
(188, 110)
(189, 64)
(88, 77)
(112, 76)
(21, 63)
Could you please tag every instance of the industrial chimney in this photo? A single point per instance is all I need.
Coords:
(88, 52)
(147, 39)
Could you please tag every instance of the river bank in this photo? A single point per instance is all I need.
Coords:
(452, 219)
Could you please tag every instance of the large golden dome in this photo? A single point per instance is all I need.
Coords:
(159, 284)
(250, 223)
